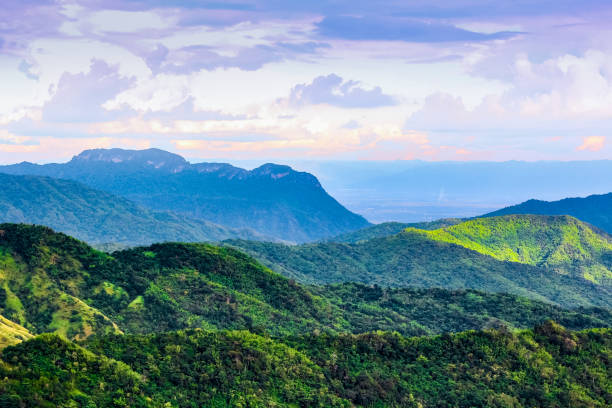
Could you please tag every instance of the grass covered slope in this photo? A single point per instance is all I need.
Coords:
(12, 333)
(52, 282)
(545, 367)
(41, 279)
(415, 259)
(561, 243)
(98, 217)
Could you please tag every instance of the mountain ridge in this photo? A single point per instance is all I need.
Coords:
(273, 199)
(595, 209)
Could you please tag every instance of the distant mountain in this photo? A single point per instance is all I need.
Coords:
(98, 217)
(53, 283)
(272, 199)
(594, 209)
(412, 258)
(391, 228)
(561, 243)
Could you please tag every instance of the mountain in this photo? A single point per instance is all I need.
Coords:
(418, 258)
(386, 229)
(98, 217)
(594, 209)
(50, 282)
(560, 243)
(272, 199)
(547, 367)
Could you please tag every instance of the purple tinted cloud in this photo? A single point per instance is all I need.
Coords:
(197, 57)
(333, 90)
(393, 29)
(187, 111)
(79, 97)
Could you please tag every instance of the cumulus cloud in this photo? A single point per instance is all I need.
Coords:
(592, 143)
(79, 97)
(333, 90)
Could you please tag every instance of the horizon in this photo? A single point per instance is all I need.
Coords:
(272, 160)
(267, 81)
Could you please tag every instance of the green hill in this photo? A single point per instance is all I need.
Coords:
(413, 258)
(391, 228)
(595, 209)
(98, 217)
(50, 282)
(561, 243)
(545, 367)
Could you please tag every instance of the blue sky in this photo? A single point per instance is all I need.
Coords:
(279, 80)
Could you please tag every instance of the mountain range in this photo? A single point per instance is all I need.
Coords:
(273, 200)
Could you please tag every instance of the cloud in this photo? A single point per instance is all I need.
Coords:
(184, 60)
(79, 97)
(372, 28)
(186, 111)
(592, 143)
(333, 90)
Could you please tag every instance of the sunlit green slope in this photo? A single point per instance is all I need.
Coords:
(561, 243)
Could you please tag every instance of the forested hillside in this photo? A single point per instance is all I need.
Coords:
(412, 258)
(98, 217)
(53, 283)
(545, 367)
(149, 328)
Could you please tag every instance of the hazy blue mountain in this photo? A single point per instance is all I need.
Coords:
(414, 191)
(594, 209)
(272, 199)
(99, 217)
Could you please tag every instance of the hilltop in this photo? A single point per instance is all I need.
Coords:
(594, 209)
(560, 243)
(386, 229)
(273, 200)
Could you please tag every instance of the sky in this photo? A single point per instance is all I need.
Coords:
(321, 79)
